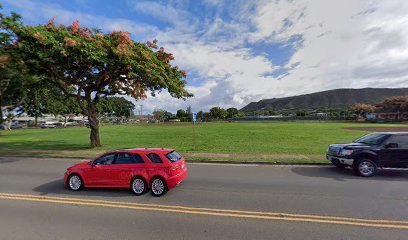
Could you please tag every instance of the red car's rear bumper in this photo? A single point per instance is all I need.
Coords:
(173, 181)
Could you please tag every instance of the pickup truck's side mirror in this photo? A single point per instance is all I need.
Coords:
(391, 145)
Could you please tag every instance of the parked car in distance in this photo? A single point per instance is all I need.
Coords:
(13, 125)
(139, 169)
(48, 125)
(368, 153)
(71, 124)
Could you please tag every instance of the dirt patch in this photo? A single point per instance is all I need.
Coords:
(379, 129)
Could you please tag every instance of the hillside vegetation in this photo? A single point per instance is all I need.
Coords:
(338, 98)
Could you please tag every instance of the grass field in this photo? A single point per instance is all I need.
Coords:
(239, 138)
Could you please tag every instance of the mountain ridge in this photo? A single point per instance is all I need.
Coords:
(335, 98)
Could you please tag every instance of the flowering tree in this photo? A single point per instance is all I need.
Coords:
(396, 104)
(362, 109)
(12, 72)
(96, 64)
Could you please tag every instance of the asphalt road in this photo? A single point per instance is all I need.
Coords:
(214, 202)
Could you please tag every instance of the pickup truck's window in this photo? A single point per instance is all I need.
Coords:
(372, 139)
(173, 156)
(127, 158)
(154, 158)
(106, 159)
(401, 140)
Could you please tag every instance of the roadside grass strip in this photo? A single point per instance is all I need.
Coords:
(360, 222)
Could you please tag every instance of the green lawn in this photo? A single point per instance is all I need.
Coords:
(249, 138)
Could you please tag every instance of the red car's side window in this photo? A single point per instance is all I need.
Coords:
(106, 159)
(154, 158)
(137, 158)
(128, 158)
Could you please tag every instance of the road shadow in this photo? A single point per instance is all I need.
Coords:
(57, 187)
(8, 160)
(347, 173)
(44, 145)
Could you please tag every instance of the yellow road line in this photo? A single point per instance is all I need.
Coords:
(282, 216)
(200, 211)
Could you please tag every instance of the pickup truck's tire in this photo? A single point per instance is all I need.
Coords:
(365, 168)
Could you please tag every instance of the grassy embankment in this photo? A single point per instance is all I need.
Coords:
(275, 141)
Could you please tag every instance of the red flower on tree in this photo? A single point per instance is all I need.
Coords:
(75, 26)
(50, 24)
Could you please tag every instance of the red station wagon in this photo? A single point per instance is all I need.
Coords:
(139, 169)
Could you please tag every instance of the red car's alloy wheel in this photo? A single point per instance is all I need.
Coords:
(75, 182)
(138, 186)
(158, 187)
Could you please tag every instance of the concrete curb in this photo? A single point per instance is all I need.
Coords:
(189, 161)
(257, 162)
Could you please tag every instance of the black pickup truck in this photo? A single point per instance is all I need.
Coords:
(373, 151)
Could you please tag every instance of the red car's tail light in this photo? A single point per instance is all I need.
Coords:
(173, 170)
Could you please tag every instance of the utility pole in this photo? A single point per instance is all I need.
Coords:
(194, 121)
(141, 110)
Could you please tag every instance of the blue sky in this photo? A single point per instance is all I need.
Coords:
(240, 51)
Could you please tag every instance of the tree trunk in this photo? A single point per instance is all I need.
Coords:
(1, 109)
(65, 121)
(35, 121)
(93, 121)
(8, 125)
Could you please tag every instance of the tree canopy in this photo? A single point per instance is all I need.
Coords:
(394, 104)
(95, 64)
(361, 109)
(12, 71)
(115, 106)
(218, 113)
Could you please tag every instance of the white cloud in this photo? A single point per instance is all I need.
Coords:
(345, 43)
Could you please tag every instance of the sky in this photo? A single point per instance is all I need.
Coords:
(236, 52)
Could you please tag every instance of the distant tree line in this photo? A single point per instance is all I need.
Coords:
(359, 110)
(186, 115)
